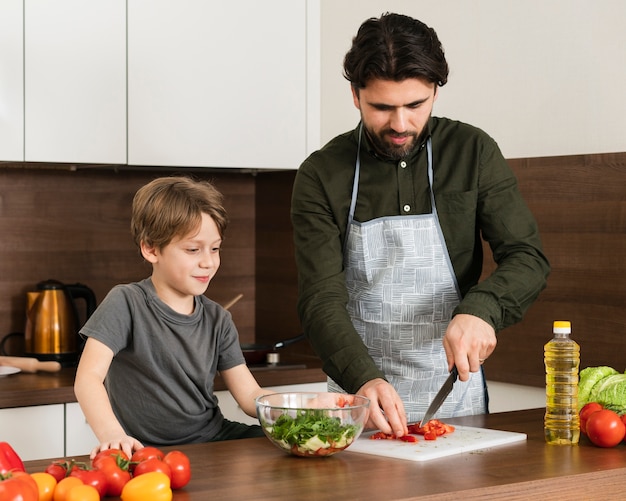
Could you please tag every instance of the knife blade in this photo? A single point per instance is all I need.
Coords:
(441, 396)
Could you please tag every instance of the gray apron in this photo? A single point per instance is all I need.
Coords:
(402, 292)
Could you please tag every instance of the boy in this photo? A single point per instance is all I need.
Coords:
(153, 347)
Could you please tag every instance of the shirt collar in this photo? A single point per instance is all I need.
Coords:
(366, 145)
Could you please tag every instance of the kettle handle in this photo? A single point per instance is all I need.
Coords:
(78, 290)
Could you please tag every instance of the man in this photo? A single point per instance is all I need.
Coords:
(387, 223)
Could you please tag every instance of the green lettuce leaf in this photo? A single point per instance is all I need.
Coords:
(587, 380)
(610, 392)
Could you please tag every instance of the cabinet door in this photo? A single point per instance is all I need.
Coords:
(217, 84)
(34, 432)
(11, 80)
(79, 439)
(75, 81)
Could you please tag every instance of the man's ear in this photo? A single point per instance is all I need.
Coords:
(355, 97)
(149, 252)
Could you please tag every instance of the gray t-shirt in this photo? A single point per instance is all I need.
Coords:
(160, 382)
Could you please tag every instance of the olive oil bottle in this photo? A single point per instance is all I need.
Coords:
(562, 360)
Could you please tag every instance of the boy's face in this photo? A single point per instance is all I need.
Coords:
(184, 267)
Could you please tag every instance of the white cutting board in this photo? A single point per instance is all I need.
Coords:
(463, 439)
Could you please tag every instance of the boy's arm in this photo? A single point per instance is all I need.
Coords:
(243, 387)
(94, 400)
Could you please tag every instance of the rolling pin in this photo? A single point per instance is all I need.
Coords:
(28, 364)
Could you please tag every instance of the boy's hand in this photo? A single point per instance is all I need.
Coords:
(126, 444)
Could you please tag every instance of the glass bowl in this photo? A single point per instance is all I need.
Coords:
(312, 424)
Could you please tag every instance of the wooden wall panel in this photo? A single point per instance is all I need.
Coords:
(580, 205)
(73, 226)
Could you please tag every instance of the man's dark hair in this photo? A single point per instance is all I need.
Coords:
(395, 47)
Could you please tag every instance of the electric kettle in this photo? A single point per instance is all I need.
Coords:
(52, 321)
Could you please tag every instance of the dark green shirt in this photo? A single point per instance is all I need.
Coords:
(475, 193)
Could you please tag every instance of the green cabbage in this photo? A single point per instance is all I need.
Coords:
(610, 393)
(588, 379)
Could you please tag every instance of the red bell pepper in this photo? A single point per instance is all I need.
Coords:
(9, 460)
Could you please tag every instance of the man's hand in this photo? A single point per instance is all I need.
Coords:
(468, 342)
(386, 408)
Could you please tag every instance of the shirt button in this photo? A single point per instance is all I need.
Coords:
(403, 164)
(407, 208)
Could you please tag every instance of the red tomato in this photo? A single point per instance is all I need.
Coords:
(19, 486)
(112, 452)
(145, 454)
(152, 464)
(93, 477)
(605, 428)
(585, 412)
(180, 467)
(115, 469)
(61, 469)
(431, 430)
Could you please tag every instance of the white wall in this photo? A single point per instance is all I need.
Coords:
(543, 77)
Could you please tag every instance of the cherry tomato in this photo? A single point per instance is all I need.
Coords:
(64, 487)
(605, 428)
(144, 454)
(94, 477)
(83, 493)
(115, 469)
(152, 464)
(18, 485)
(180, 467)
(61, 469)
(45, 484)
(585, 412)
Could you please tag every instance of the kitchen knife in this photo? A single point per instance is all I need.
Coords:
(441, 396)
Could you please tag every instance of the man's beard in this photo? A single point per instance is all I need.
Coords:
(392, 151)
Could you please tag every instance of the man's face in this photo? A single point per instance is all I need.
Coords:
(394, 114)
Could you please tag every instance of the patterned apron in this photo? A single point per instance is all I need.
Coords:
(402, 292)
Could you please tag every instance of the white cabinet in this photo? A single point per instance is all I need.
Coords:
(75, 81)
(79, 439)
(231, 410)
(221, 84)
(34, 432)
(11, 80)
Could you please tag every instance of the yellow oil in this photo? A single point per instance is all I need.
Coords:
(562, 361)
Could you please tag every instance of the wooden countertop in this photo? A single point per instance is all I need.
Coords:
(255, 469)
(42, 388)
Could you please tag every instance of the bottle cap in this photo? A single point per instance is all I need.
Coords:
(562, 327)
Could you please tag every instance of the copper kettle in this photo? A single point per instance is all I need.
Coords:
(52, 321)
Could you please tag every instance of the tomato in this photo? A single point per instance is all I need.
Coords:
(46, 484)
(18, 486)
(154, 486)
(431, 430)
(94, 477)
(586, 411)
(605, 428)
(64, 487)
(115, 469)
(180, 467)
(146, 453)
(61, 469)
(111, 452)
(152, 464)
(83, 493)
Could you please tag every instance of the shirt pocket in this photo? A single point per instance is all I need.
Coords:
(457, 216)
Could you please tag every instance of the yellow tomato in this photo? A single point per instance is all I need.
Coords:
(46, 484)
(64, 486)
(83, 493)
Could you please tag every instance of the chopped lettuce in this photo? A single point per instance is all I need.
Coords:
(588, 379)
